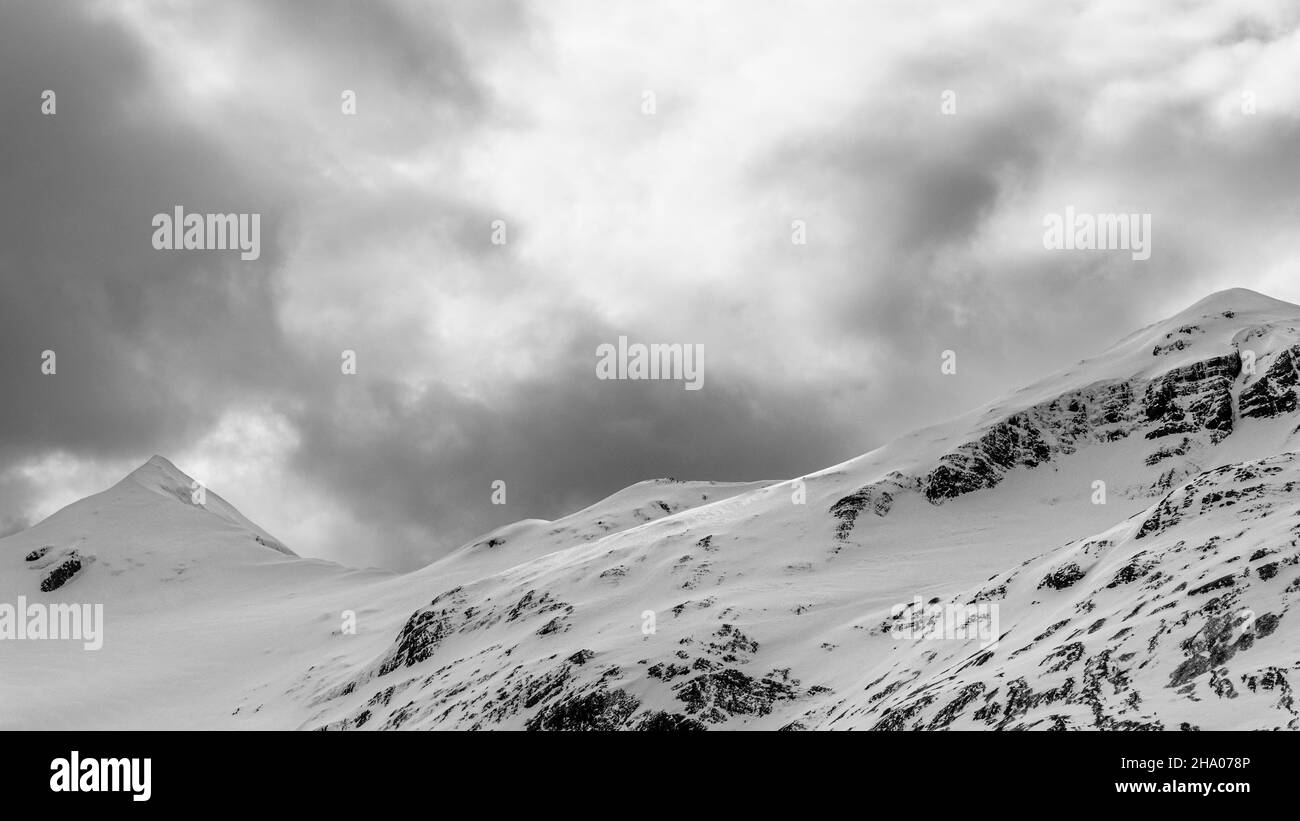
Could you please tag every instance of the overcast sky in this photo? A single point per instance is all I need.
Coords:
(475, 361)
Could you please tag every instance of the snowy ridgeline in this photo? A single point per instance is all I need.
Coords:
(1129, 526)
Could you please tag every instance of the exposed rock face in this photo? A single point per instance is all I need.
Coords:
(57, 566)
(1273, 393)
(447, 615)
(62, 574)
(876, 498)
(1063, 577)
(1194, 398)
(423, 633)
(596, 710)
(1193, 401)
(1019, 441)
(668, 722)
(1188, 602)
(572, 694)
(871, 498)
(716, 697)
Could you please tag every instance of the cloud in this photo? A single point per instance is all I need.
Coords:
(559, 440)
(147, 344)
(476, 360)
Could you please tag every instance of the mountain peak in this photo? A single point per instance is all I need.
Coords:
(1239, 300)
(160, 475)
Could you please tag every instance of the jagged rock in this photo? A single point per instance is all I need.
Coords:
(62, 574)
(1063, 577)
(599, 709)
(661, 722)
(716, 696)
(1273, 393)
(1015, 442)
(871, 497)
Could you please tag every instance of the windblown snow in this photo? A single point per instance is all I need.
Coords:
(1132, 522)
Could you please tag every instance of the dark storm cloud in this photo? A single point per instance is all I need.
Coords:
(136, 332)
(152, 347)
(559, 440)
(477, 361)
(910, 200)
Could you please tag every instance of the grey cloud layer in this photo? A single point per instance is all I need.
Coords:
(149, 345)
(476, 362)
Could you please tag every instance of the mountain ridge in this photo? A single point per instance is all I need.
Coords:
(688, 605)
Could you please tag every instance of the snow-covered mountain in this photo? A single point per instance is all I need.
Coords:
(1129, 525)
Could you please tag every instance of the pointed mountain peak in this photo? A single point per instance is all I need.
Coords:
(160, 475)
(160, 463)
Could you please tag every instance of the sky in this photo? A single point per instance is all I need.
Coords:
(523, 182)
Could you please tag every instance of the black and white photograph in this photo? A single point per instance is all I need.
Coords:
(735, 366)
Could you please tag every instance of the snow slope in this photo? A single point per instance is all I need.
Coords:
(688, 605)
(1174, 619)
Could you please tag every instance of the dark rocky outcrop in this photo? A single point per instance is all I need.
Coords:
(597, 709)
(662, 722)
(1193, 398)
(871, 497)
(1062, 577)
(62, 574)
(1273, 393)
(1014, 442)
(716, 696)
